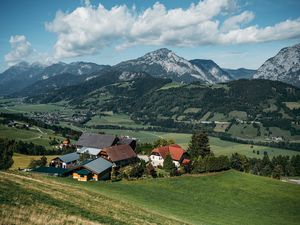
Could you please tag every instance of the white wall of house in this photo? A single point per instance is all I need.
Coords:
(159, 161)
(156, 160)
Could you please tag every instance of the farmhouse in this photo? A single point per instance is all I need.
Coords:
(65, 161)
(178, 154)
(96, 169)
(120, 155)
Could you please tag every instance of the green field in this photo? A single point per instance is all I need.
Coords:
(224, 198)
(218, 146)
(23, 108)
(23, 161)
(35, 135)
(114, 119)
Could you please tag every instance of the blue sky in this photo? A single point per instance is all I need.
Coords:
(233, 33)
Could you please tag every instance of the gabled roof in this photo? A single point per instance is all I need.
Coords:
(69, 157)
(176, 151)
(97, 165)
(126, 141)
(119, 152)
(91, 151)
(96, 140)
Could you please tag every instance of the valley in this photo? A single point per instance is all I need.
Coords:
(123, 125)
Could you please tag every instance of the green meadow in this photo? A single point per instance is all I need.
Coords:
(229, 197)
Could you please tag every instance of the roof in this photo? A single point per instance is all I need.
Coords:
(176, 151)
(83, 172)
(92, 151)
(126, 141)
(66, 142)
(97, 165)
(50, 170)
(69, 157)
(96, 140)
(186, 161)
(119, 152)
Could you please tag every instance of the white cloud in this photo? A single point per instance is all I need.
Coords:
(88, 29)
(21, 49)
(235, 22)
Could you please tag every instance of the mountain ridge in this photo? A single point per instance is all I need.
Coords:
(284, 66)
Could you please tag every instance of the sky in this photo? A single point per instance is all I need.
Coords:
(233, 33)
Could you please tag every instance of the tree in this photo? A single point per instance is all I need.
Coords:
(266, 170)
(163, 142)
(84, 156)
(239, 162)
(277, 172)
(137, 170)
(43, 161)
(169, 165)
(199, 145)
(39, 162)
(6, 154)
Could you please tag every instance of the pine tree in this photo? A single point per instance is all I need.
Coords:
(43, 161)
(199, 145)
(6, 155)
(169, 165)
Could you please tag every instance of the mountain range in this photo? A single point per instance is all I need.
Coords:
(22, 75)
(25, 79)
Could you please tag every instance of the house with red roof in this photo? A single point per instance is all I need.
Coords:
(177, 153)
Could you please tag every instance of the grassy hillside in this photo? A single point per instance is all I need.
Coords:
(33, 199)
(225, 198)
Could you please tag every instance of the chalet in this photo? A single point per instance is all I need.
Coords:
(120, 155)
(98, 141)
(65, 161)
(96, 169)
(178, 154)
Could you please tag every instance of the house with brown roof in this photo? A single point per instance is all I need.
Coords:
(177, 153)
(120, 155)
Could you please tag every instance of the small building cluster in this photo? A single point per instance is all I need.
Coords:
(102, 152)
(97, 154)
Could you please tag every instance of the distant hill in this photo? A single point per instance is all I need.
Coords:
(22, 75)
(240, 73)
(159, 102)
(285, 66)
